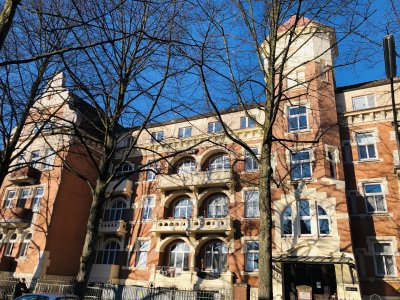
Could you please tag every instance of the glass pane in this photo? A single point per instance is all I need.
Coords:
(363, 152)
(372, 188)
(306, 170)
(305, 226)
(380, 204)
(252, 245)
(321, 211)
(324, 226)
(293, 124)
(243, 122)
(303, 122)
(371, 204)
(380, 269)
(287, 226)
(371, 151)
(389, 265)
(304, 208)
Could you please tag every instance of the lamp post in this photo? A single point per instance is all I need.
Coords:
(390, 68)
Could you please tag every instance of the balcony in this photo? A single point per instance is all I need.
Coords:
(15, 217)
(25, 175)
(197, 225)
(113, 227)
(123, 189)
(103, 273)
(199, 179)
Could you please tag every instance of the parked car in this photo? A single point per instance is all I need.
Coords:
(47, 296)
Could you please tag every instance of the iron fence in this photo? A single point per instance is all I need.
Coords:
(108, 291)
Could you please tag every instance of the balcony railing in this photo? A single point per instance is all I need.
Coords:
(113, 227)
(25, 175)
(15, 217)
(122, 189)
(207, 178)
(196, 225)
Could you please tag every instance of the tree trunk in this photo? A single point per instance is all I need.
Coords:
(91, 238)
(6, 18)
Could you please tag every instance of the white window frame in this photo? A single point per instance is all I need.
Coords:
(126, 167)
(214, 127)
(110, 255)
(254, 253)
(332, 160)
(23, 251)
(49, 159)
(151, 173)
(368, 101)
(184, 252)
(305, 217)
(23, 197)
(157, 136)
(250, 164)
(374, 195)
(287, 218)
(9, 198)
(297, 117)
(185, 132)
(301, 163)
(366, 144)
(37, 198)
(220, 162)
(216, 208)
(8, 251)
(147, 209)
(383, 255)
(323, 217)
(35, 158)
(186, 166)
(142, 250)
(247, 122)
(253, 203)
(186, 205)
(116, 211)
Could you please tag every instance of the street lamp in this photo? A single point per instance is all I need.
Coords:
(390, 68)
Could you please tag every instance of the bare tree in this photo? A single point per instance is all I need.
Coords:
(6, 17)
(248, 55)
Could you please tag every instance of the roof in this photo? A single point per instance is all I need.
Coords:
(364, 85)
(302, 21)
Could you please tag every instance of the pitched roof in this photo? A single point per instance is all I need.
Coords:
(302, 21)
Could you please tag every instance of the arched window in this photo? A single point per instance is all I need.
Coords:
(179, 256)
(183, 209)
(287, 221)
(186, 166)
(25, 245)
(216, 256)
(110, 252)
(217, 206)
(219, 163)
(116, 211)
(10, 245)
(323, 222)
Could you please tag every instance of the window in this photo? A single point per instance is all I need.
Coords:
(287, 221)
(116, 211)
(251, 164)
(332, 163)
(304, 217)
(366, 146)
(363, 102)
(216, 256)
(21, 159)
(295, 78)
(300, 165)
(384, 260)
(375, 200)
(141, 256)
(252, 253)
(157, 136)
(110, 253)
(183, 209)
(10, 245)
(217, 207)
(49, 159)
(186, 166)
(35, 157)
(9, 198)
(37, 198)
(179, 256)
(219, 163)
(126, 142)
(185, 132)
(297, 118)
(152, 171)
(125, 168)
(324, 73)
(246, 122)
(23, 196)
(323, 221)
(214, 127)
(25, 245)
(147, 209)
(251, 204)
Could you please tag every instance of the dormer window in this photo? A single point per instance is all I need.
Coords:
(157, 136)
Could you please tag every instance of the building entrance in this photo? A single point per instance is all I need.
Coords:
(321, 277)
